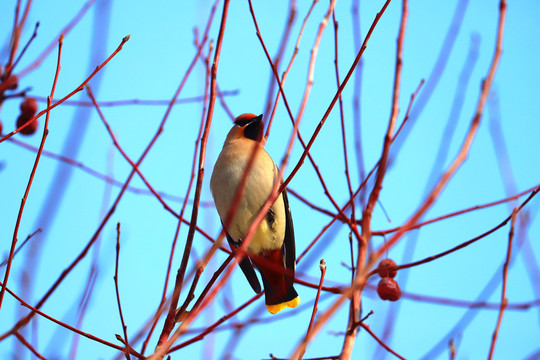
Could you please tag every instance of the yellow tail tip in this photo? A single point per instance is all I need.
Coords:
(274, 309)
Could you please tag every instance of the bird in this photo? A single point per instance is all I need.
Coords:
(272, 247)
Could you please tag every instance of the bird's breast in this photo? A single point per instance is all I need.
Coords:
(229, 171)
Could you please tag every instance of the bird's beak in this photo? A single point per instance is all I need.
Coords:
(256, 120)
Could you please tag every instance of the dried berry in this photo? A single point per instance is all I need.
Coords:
(385, 268)
(30, 129)
(388, 289)
(29, 106)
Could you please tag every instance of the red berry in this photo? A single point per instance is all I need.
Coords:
(29, 106)
(388, 289)
(1, 126)
(30, 129)
(384, 268)
(12, 82)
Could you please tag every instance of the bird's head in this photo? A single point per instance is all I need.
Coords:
(247, 126)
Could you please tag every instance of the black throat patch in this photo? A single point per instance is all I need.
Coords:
(254, 130)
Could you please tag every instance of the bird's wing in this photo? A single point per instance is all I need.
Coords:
(288, 243)
(247, 267)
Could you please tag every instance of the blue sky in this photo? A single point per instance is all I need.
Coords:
(151, 66)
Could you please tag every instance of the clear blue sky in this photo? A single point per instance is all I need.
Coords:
(151, 66)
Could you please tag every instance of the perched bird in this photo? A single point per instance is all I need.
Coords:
(272, 248)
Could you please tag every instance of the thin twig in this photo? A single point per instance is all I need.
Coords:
(79, 88)
(277, 59)
(26, 47)
(90, 243)
(124, 327)
(286, 72)
(124, 155)
(355, 305)
(16, 33)
(69, 327)
(21, 245)
(342, 118)
(184, 204)
(216, 324)
(322, 267)
(65, 31)
(191, 66)
(32, 173)
(311, 65)
(437, 71)
(504, 300)
(467, 142)
(460, 212)
(336, 96)
(413, 96)
(382, 164)
(141, 102)
(82, 306)
(432, 299)
(390, 350)
(465, 243)
(208, 286)
(202, 264)
(324, 317)
(444, 301)
(295, 122)
(336, 217)
(106, 178)
(28, 345)
(357, 92)
(165, 342)
(359, 322)
(360, 281)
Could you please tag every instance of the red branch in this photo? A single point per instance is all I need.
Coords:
(93, 172)
(69, 327)
(28, 345)
(342, 118)
(83, 253)
(216, 324)
(16, 33)
(336, 96)
(460, 212)
(142, 102)
(124, 327)
(465, 243)
(128, 159)
(305, 97)
(339, 302)
(355, 304)
(467, 142)
(190, 184)
(65, 31)
(322, 266)
(366, 327)
(79, 88)
(32, 173)
(164, 344)
(504, 300)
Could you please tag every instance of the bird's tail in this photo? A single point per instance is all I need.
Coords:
(277, 281)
